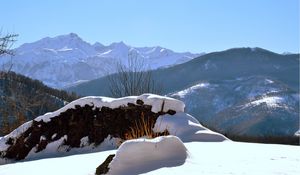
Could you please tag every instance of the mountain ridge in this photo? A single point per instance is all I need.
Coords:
(204, 67)
(66, 59)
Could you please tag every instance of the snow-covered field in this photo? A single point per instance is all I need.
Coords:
(203, 158)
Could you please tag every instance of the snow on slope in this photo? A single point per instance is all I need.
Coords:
(67, 59)
(252, 106)
(205, 158)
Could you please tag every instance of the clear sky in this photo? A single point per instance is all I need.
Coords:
(181, 25)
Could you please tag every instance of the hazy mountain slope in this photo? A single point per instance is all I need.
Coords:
(228, 64)
(66, 59)
(231, 64)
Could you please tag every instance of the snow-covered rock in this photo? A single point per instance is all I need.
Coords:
(96, 123)
(144, 155)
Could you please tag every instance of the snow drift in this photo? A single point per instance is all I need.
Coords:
(143, 155)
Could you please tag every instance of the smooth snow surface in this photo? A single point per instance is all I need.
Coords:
(187, 128)
(144, 155)
(205, 158)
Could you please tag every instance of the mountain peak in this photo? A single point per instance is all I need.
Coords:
(71, 40)
(97, 44)
(70, 36)
(118, 44)
(73, 35)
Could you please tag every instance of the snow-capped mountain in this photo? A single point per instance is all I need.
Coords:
(67, 59)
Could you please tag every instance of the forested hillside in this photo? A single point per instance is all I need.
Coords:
(22, 99)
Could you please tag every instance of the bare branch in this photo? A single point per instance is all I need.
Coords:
(6, 43)
(133, 78)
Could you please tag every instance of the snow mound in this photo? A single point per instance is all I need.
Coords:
(144, 155)
(187, 128)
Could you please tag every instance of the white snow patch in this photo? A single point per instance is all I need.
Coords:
(269, 81)
(190, 90)
(272, 102)
(14, 134)
(49, 50)
(105, 53)
(42, 138)
(157, 101)
(58, 149)
(144, 155)
(84, 141)
(187, 128)
(50, 150)
(297, 133)
(65, 49)
(53, 136)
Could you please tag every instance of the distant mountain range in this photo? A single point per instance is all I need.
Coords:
(247, 92)
(67, 60)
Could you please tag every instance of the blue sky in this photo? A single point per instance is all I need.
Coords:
(181, 25)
